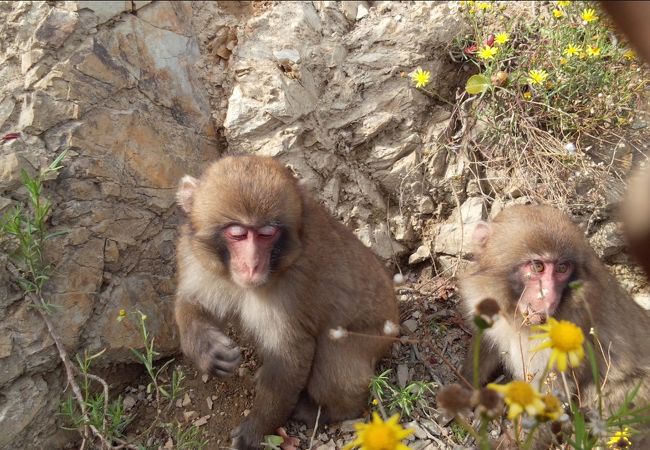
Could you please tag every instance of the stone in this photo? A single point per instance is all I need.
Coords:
(11, 165)
(402, 375)
(7, 105)
(41, 111)
(454, 239)
(425, 205)
(643, 300)
(362, 11)
(55, 28)
(22, 400)
(287, 55)
(423, 253)
(608, 241)
(105, 10)
(378, 238)
(411, 325)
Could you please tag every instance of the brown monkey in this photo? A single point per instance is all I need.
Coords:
(259, 249)
(525, 259)
(636, 218)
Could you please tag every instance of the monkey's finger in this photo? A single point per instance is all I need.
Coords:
(222, 340)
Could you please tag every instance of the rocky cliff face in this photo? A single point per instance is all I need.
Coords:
(140, 93)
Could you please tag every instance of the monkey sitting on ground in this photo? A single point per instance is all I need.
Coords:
(525, 259)
(259, 249)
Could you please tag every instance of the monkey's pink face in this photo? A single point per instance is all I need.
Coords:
(250, 253)
(544, 282)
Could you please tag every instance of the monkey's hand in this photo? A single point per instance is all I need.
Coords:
(212, 350)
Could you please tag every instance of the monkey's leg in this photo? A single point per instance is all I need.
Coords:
(489, 363)
(341, 374)
(280, 380)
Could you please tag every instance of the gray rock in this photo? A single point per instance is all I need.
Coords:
(423, 253)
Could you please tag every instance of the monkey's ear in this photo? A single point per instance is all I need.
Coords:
(185, 192)
(481, 234)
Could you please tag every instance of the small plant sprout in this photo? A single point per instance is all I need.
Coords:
(421, 77)
(565, 339)
(520, 397)
(380, 434)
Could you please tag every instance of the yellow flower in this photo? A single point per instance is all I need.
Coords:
(121, 315)
(528, 95)
(565, 339)
(589, 15)
(537, 76)
(379, 435)
(571, 50)
(629, 55)
(620, 439)
(421, 77)
(592, 50)
(563, 4)
(552, 408)
(501, 38)
(558, 13)
(483, 6)
(563, 61)
(520, 396)
(375, 402)
(487, 52)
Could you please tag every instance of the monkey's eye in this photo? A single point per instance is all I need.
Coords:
(562, 267)
(236, 232)
(267, 232)
(537, 266)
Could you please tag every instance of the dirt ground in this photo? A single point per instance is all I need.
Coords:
(429, 315)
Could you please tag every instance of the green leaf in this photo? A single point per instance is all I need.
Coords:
(477, 84)
(273, 439)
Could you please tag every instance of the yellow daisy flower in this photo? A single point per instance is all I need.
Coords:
(621, 439)
(121, 315)
(528, 95)
(483, 6)
(563, 61)
(501, 38)
(558, 13)
(629, 55)
(379, 435)
(565, 339)
(537, 76)
(571, 50)
(552, 409)
(589, 15)
(563, 4)
(420, 77)
(487, 52)
(520, 396)
(592, 50)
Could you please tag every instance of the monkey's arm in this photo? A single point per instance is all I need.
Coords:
(489, 362)
(280, 380)
(203, 342)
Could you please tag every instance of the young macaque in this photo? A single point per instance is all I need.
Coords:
(526, 259)
(259, 249)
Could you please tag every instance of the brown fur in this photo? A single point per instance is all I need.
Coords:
(324, 278)
(622, 327)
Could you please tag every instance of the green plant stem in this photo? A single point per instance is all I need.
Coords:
(476, 347)
(468, 427)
